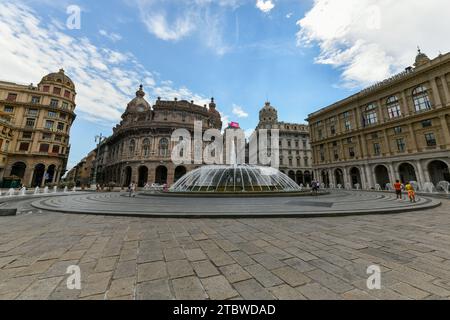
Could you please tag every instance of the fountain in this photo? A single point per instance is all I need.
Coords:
(416, 186)
(358, 186)
(55, 189)
(331, 186)
(378, 187)
(444, 186)
(66, 189)
(11, 192)
(428, 187)
(389, 187)
(23, 191)
(46, 190)
(37, 191)
(348, 186)
(339, 186)
(74, 189)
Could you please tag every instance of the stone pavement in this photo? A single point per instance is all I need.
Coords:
(276, 258)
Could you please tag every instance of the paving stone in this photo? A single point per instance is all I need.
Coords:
(41, 289)
(152, 271)
(96, 284)
(265, 277)
(195, 255)
(189, 288)
(121, 288)
(179, 269)
(205, 269)
(329, 281)
(235, 273)
(242, 258)
(218, 288)
(409, 291)
(292, 277)
(106, 264)
(314, 291)
(252, 290)
(125, 269)
(286, 292)
(174, 254)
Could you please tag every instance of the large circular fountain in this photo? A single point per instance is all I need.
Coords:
(235, 179)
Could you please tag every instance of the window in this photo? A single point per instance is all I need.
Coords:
(398, 130)
(35, 100)
(62, 116)
(49, 124)
(297, 144)
(333, 130)
(421, 99)
(6, 149)
(322, 153)
(336, 155)
(65, 105)
(349, 140)
(44, 147)
(9, 109)
(27, 135)
(52, 114)
(348, 125)
(289, 143)
(393, 107)
(24, 146)
(58, 138)
(370, 115)
(320, 134)
(375, 135)
(55, 149)
(11, 97)
(401, 146)
(61, 126)
(304, 144)
(334, 143)
(46, 89)
(290, 162)
(54, 103)
(346, 114)
(30, 123)
(67, 94)
(57, 91)
(163, 147)
(430, 139)
(351, 152)
(377, 149)
(427, 123)
(33, 112)
(46, 136)
(306, 162)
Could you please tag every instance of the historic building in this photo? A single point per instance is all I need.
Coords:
(294, 145)
(396, 129)
(83, 173)
(36, 122)
(140, 148)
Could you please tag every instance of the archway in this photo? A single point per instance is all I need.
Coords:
(300, 178)
(339, 176)
(38, 175)
(127, 176)
(292, 175)
(161, 175)
(382, 176)
(355, 176)
(407, 173)
(50, 175)
(179, 173)
(438, 171)
(308, 177)
(143, 176)
(18, 170)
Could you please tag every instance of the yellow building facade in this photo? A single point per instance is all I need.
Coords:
(396, 129)
(38, 119)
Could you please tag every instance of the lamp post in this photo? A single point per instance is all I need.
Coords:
(98, 139)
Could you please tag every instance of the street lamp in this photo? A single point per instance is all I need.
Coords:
(98, 139)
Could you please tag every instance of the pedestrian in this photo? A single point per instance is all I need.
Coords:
(133, 189)
(411, 192)
(130, 189)
(398, 189)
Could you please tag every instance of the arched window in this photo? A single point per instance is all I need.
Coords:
(393, 107)
(132, 147)
(146, 147)
(421, 99)
(370, 115)
(163, 147)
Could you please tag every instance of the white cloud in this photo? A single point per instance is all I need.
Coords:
(289, 15)
(239, 112)
(369, 40)
(114, 37)
(105, 79)
(265, 5)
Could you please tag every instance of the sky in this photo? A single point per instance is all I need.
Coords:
(301, 55)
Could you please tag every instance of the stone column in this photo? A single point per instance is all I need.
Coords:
(369, 177)
(413, 137)
(392, 174)
(420, 174)
(437, 98)
(446, 89)
(386, 142)
(406, 109)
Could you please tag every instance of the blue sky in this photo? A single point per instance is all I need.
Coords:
(298, 54)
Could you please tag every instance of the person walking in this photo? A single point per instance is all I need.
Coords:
(398, 189)
(411, 192)
(131, 189)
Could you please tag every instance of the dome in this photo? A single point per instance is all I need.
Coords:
(139, 104)
(268, 113)
(421, 59)
(59, 77)
(235, 178)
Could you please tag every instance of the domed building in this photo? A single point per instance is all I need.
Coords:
(36, 150)
(140, 147)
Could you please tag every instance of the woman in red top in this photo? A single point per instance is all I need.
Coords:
(398, 189)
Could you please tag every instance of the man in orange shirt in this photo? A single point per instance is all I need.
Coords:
(398, 189)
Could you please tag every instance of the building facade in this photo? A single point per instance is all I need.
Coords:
(36, 124)
(294, 145)
(83, 173)
(140, 148)
(396, 129)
